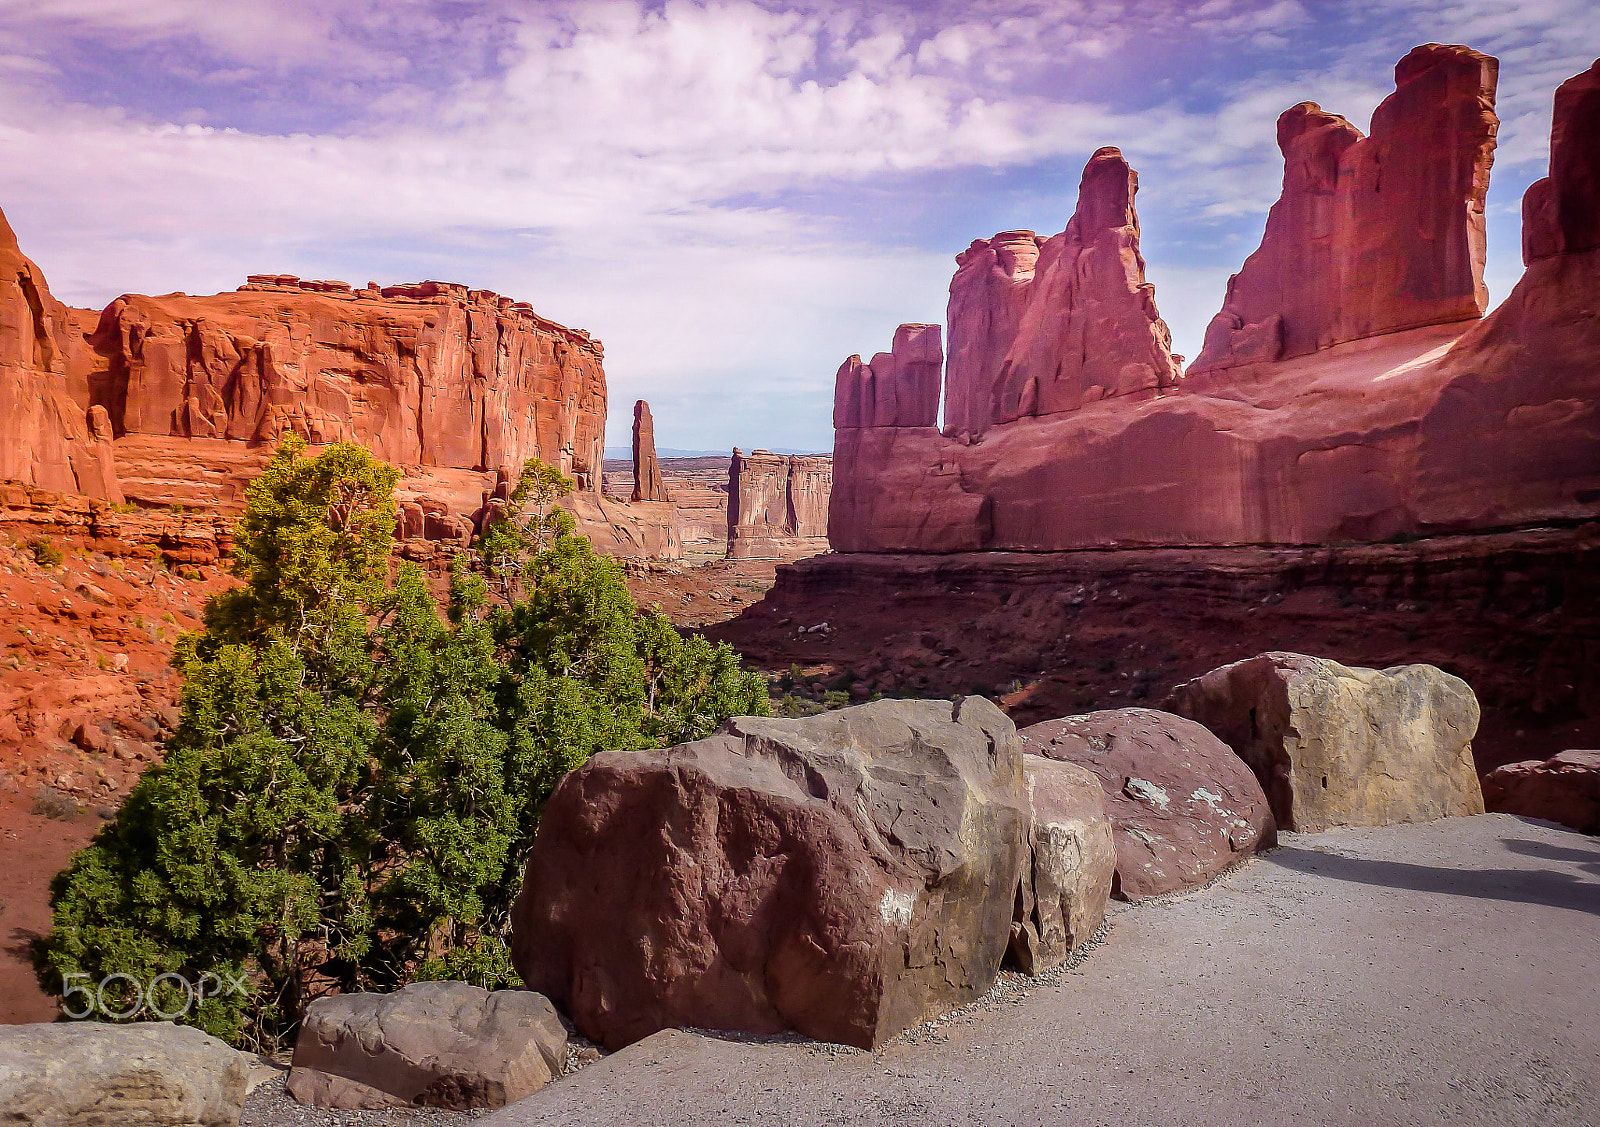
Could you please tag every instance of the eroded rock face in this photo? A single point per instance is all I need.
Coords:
(1564, 788)
(1465, 426)
(1042, 326)
(845, 875)
(152, 1074)
(1070, 865)
(1183, 806)
(899, 388)
(1371, 234)
(647, 483)
(1339, 746)
(432, 374)
(430, 1044)
(50, 435)
(778, 504)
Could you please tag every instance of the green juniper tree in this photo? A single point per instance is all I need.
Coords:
(349, 798)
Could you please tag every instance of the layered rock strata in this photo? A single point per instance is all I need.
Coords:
(1339, 746)
(778, 505)
(846, 875)
(1374, 430)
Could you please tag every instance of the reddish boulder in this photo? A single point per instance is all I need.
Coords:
(778, 504)
(1337, 745)
(1038, 327)
(900, 388)
(1183, 806)
(647, 483)
(846, 875)
(1070, 867)
(1371, 234)
(1564, 789)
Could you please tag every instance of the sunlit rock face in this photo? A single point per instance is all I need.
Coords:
(1356, 395)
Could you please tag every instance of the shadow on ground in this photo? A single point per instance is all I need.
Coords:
(1520, 886)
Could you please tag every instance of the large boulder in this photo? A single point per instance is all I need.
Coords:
(89, 1074)
(1564, 788)
(1183, 806)
(1071, 863)
(430, 1044)
(1335, 745)
(846, 875)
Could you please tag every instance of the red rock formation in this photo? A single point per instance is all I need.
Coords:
(900, 388)
(1371, 234)
(647, 483)
(1561, 213)
(425, 375)
(49, 437)
(778, 504)
(1448, 428)
(1038, 327)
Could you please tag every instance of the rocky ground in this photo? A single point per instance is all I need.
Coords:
(1419, 974)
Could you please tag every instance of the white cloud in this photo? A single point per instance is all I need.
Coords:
(602, 159)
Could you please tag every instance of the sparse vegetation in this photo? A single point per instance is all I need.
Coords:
(52, 803)
(45, 553)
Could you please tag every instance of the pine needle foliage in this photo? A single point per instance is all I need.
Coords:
(349, 798)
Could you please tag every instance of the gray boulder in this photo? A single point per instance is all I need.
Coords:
(845, 875)
(90, 1074)
(430, 1044)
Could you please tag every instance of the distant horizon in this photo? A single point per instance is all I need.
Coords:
(733, 196)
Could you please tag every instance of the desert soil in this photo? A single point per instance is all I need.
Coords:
(1431, 974)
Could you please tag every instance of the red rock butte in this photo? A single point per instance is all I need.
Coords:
(179, 399)
(1351, 388)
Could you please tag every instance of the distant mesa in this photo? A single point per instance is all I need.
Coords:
(1350, 389)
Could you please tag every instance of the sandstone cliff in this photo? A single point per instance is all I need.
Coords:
(432, 374)
(1371, 234)
(1042, 326)
(1406, 428)
(777, 505)
(51, 436)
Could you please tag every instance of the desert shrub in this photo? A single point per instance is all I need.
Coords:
(349, 797)
(51, 803)
(835, 698)
(45, 553)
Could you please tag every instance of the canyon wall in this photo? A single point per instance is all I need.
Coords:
(777, 505)
(177, 401)
(1423, 420)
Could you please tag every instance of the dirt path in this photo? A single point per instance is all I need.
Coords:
(1442, 973)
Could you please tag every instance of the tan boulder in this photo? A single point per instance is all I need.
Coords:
(92, 1074)
(1339, 746)
(1067, 876)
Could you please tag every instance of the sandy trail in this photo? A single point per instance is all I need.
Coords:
(1442, 973)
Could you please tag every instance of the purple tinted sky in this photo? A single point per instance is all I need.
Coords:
(733, 196)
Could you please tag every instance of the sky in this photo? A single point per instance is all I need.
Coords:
(733, 196)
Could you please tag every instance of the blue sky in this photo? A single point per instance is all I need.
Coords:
(732, 195)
